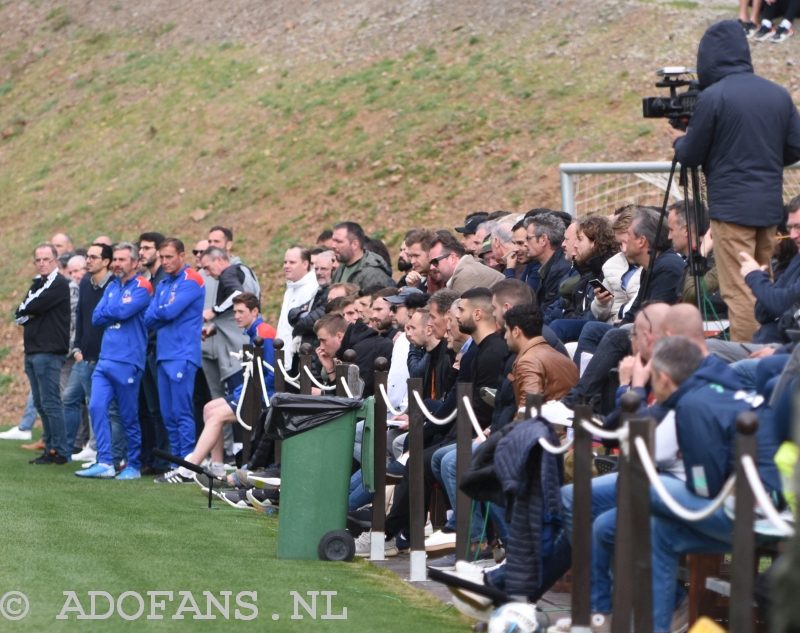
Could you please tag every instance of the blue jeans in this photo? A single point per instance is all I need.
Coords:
(30, 415)
(78, 391)
(568, 330)
(591, 335)
(44, 373)
(359, 496)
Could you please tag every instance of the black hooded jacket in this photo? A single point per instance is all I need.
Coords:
(744, 130)
(368, 345)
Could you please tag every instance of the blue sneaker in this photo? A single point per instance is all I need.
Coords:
(129, 473)
(98, 471)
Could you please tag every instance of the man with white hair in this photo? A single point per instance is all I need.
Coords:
(324, 266)
(503, 240)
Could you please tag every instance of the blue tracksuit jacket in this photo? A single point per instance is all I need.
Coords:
(121, 312)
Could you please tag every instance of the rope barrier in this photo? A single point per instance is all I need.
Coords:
(556, 450)
(620, 434)
(346, 388)
(675, 507)
(236, 355)
(389, 406)
(430, 415)
(751, 472)
(318, 384)
(474, 420)
(268, 366)
(264, 392)
(248, 368)
(285, 375)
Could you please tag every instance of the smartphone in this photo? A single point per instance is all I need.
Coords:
(598, 285)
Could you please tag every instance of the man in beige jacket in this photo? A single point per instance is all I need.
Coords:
(451, 265)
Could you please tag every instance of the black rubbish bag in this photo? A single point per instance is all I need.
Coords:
(290, 414)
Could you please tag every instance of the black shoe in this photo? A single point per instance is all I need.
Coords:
(44, 458)
(149, 470)
(360, 520)
(50, 458)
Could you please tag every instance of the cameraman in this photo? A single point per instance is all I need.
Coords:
(744, 130)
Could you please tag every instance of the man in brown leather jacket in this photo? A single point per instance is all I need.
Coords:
(538, 368)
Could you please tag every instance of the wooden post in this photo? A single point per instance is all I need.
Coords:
(642, 560)
(280, 386)
(582, 521)
(743, 556)
(255, 395)
(416, 492)
(305, 362)
(623, 550)
(533, 405)
(377, 549)
(249, 412)
(342, 372)
(463, 504)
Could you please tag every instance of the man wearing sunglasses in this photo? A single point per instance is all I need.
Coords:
(452, 267)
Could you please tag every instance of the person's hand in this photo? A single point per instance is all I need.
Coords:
(641, 372)
(762, 353)
(487, 431)
(707, 244)
(413, 279)
(749, 265)
(316, 391)
(603, 297)
(511, 259)
(78, 357)
(325, 360)
(626, 370)
(208, 315)
(675, 134)
(207, 331)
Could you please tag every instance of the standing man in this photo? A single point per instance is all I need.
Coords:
(357, 266)
(118, 373)
(743, 132)
(45, 317)
(301, 288)
(323, 267)
(176, 311)
(222, 237)
(62, 243)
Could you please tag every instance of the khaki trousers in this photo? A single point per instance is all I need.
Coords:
(729, 241)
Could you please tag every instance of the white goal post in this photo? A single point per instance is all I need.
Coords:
(603, 187)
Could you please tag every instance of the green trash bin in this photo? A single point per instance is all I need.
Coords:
(315, 477)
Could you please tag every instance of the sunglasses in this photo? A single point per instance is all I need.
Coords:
(435, 261)
(197, 253)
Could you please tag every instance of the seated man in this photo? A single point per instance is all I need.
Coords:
(222, 411)
(545, 236)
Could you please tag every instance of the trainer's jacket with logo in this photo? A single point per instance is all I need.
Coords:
(121, 312)
(176, 311)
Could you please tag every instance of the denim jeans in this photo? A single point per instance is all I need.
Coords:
(569, 330)
(359, 496)
(29, 416)
(44, 373)
(755, 373)
(78, 391)
(590, 337)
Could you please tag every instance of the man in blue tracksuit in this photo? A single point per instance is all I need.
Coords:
(118, 373)
(176, 311)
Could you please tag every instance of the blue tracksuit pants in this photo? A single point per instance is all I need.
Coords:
(110, 380)
(175, 390)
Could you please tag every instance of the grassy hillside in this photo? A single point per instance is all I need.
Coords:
(118, 131)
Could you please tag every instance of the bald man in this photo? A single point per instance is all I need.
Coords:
(197, 251)
(103, 239)
(62, 242)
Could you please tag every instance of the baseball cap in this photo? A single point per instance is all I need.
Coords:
(401, 296)
(486, 248)
(472, 225)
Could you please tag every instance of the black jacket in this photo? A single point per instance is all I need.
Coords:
(743, 131)
(45, 315)
(89, 338)
(665, 276)
(440, 376)
(580, 303)
(552, 274)
(368, 345)
(302, 319)
(485, 371)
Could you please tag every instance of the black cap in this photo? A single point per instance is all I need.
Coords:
(471, 226)
(401, 296)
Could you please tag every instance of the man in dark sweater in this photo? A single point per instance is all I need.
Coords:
(45, 317)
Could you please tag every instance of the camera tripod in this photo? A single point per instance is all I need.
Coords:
(698, 264)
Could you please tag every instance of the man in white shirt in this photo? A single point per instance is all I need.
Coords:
(301, 287)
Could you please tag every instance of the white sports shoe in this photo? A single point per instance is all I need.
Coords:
(86, 455)
(364, 545)
(15, 434)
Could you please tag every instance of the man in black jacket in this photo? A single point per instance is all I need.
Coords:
(744, 130)
(45, 317)
(545, 235)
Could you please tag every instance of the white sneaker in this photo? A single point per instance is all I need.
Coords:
(428, 528)
(86, 455)
(440, 540)
(471, 604)
(364, 546)
(600, 623)
(15, 434)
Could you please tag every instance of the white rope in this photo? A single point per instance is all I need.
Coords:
(473, 419)
(430, 415)
(314, 380)
(248, 368)
(236, 355)
(389, 406)
(285, 375)
(556, 450)
(620, 434)
(264, 392)
(346, 388)
(675, 507)
(751, 472)
(268, 366)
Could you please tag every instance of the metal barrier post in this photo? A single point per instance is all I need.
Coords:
(305, 362)
(463, 504)
(416, 475)
(378, 539)
(280, 386)
(642, 561)
(623, 551)
(743, 569)
(533, 405)
(582, 523)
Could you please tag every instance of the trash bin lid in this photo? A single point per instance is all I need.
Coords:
(290, 414)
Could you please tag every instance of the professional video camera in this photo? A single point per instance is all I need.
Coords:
(678, 107)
